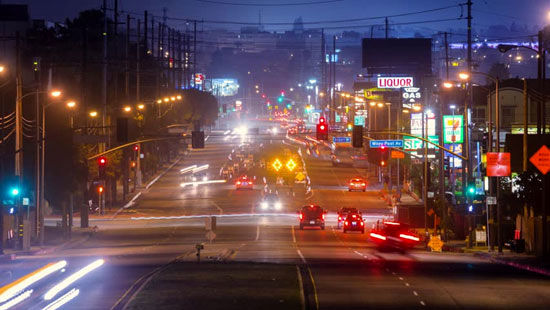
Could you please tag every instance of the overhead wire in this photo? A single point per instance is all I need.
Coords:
(269, 4)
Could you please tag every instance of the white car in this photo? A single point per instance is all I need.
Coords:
(271, 203)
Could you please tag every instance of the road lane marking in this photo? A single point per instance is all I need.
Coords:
(415, 293)
(301, 256)
(162, 174)
(401, 278)
(314, 288)
(126, 206)
(257, 232)
(301, 285)
(218, 207)
(422, 303)
(407, 284)
(293, 234)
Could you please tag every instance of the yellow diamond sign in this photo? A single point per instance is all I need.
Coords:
(290, 165)
(277, 165)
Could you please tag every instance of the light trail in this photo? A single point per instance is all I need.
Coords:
(10, 290)
(187, 169)
(72, 278)
(196, 183)
(204, 216)
(16, 300)
(62, 300)
(200, 168)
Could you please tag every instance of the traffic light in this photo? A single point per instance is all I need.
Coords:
(357, 136)
(136, 147)
(36, 64)
(100, 189)
(197, 139)
(322, 129)
(471, 190)
(101, 165)
(384, 155)
(14, 191)
(280, 99)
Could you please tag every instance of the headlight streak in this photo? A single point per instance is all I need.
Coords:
(10, 290)
(72, 278)
(278, 205)
(62, 300)
(188, 169)
(16, 300)
(200, 168)
(182, 185)
(293, 215)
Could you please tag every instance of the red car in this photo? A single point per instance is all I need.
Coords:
(394, 236)
(312, 216)
(354, 222)
(357, 184)
(244, 183)
(343, 214)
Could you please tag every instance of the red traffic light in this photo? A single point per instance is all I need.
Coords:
(100, 189)
(322, 120)
(102, 161)
(382, 163)
(264, 96)
(382, 147)
(322, 127)
(136, 147)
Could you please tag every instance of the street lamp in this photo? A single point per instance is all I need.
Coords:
(141, 106)
(464, 76)
(2, 68)
(55, 93)
(71, 104)
(178, 97)
(93, 113)
(127, 109)
(448, 85)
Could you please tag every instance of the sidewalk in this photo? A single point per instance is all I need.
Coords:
(518, 260)
(53, 242)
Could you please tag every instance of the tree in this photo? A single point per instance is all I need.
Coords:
(498, 70)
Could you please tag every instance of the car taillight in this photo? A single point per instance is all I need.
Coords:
(409, 237)
(238, 182)
(346, 223)
(363, 184)
(250, 183)
(323, 216)
(301, 216)
(362, 223)
(377, 236)
(339, 218)
(352, 184)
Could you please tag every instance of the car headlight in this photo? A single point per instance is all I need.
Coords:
(264, 205)
(278, 205)
(204, 178)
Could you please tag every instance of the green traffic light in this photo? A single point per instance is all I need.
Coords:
(280, 99)
(14, 191)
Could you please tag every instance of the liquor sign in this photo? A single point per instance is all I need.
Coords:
(498, 164)
(395, 82)
(453, 128)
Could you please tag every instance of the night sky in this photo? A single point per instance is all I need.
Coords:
(486, 12)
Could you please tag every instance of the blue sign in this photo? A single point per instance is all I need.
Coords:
(386, 143)
(341, 139)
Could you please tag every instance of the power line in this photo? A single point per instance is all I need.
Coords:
(269, 4)
(227, 22)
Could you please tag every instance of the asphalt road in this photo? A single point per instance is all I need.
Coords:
(347, 271)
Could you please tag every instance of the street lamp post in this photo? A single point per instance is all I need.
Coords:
(490, 147)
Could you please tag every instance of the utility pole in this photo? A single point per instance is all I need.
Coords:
(446, 58)
(83, 102)
(104, 77)
(468, 164)
(138, 58)
(323, 67)
(194, 49)
(37, 202)
(387, 27)
(18, 136)
(116, 18)
(145, 37)
(333, 86)
(127, 60)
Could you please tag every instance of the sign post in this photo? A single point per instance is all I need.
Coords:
(541, 160)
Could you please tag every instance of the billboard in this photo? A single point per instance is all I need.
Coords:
(454, 128)
(398, 56)
(224, 87)
(394, 82)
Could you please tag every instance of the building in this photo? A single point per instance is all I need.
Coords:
(14, 18)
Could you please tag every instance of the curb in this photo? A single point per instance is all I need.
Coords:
(501, 261)
(48, 250)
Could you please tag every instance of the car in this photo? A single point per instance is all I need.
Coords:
(312, 216)
(271, 202)
(244, 182)
(343, 213)
(391, 235)
(354, 222)
(357, 184)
